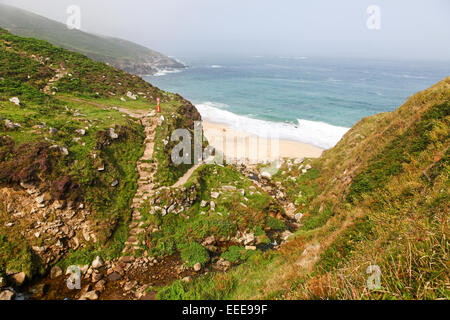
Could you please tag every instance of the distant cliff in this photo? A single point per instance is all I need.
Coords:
(122, 54)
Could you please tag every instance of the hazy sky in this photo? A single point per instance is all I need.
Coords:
(410, 29)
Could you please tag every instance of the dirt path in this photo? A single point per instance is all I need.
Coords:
(60, 73)
(146, 168)
(182, 181)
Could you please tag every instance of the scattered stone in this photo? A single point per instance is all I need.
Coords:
(115, 183)
(215, 195)
(112, 134)
(197, 267)
(228, 188)
(15, 100)
(253, 248)
(298, 216)
(7, 295)
(203, 204)
(123, 99)
(90, 295)
(212, 205)
(11, 125)
(209, 241)
(52, 131)
(98, 263)
(248, 238)
(19, 278)
(186, 279)
(100, 286)
(115, 276)
(96, 277)
(266, 175)
(81, 132)
(131, 95)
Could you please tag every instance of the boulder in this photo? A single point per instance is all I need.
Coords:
(90, 295)
(19, 278)
(7, 295)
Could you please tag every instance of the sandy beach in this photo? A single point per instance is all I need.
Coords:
(237, 144)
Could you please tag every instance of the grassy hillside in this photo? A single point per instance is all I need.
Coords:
(119, 53)
(380, 197)
(59, 145)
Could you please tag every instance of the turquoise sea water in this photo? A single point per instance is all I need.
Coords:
(313, 100)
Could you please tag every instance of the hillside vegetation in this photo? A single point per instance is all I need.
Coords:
(379, 198)
(119, 53)
(86, 174)
(86, 179)
(65, 138)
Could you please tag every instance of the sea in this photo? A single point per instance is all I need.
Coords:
(307, 99)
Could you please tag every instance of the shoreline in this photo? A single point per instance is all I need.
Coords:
(246, 144)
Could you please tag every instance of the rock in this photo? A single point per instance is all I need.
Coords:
(127, 259)
(186, 279)
(96, 277)
(15, 100)
(112, 134)
(197, 267)
(98, 263)
(52, 131)
(286, 234)
(19, 278)
(90, 295)
(203, 204)
(224, 264)
(115, 183)
(215, 195)
(266, 175)
(81, 132)
(130, 285)
(123, 99)
(55, 272)
(100, 286)
(209, 241)
(298, 216)
(2, 282)
(11, 125)
(228, 188)
(308, 167)
(253, 248)
(115, 276)
(248, 238)
(212, 205)
(7, 295)
(131, 95)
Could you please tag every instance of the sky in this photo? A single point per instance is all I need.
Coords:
(409, 29)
